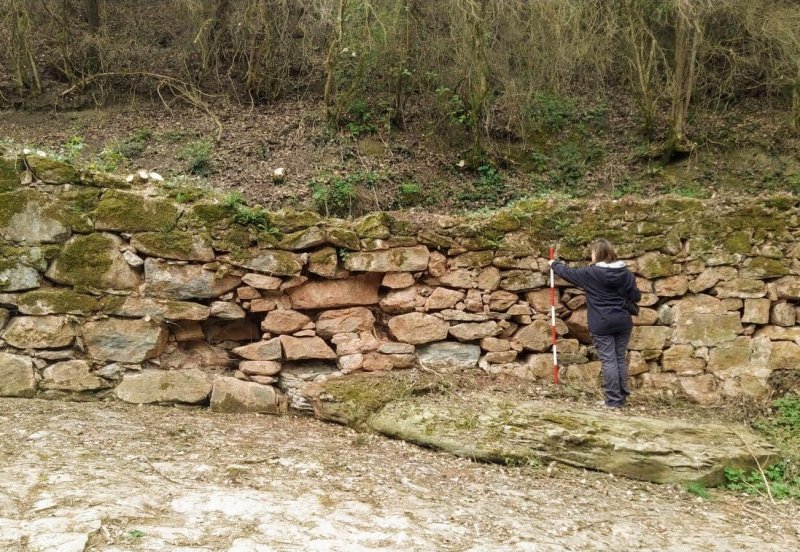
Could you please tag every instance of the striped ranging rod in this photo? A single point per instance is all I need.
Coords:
(553, 316)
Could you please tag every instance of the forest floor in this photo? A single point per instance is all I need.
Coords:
(114, 477)
(590, 153)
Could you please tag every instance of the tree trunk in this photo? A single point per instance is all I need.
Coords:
(92, 8)
(330, 64)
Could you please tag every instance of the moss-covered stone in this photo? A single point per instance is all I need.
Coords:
(374, 225)
(175, 244)
(9, 175)
(762, 268)
(207, 216)
(128, 212)
(353, 399)
(303, 239)
(291, 221)
(739, 242)
(656, 265)
(57, 301)
(12, 203)
(100, 179)
(93, 261)
(343, 237)
(51, 171)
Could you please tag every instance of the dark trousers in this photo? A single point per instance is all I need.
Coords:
(612, 351)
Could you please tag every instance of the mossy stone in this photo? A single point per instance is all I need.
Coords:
(343, 237)
(207, 216)
(57, 301)
(51, 171)
(290, 220)
(12, 203)
(175, 244)
(9, 176)
(86, 260)
(128, 212)
(761, 268)
(739, 242)
(374, 225)
(435, 239)
(656, 265)
(100, 179)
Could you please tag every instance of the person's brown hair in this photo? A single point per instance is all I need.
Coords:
(603, 251)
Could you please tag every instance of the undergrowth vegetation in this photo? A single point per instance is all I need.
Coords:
(781, 480)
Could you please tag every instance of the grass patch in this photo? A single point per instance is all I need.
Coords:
(697, 489)
(782, 428)
(197, 156)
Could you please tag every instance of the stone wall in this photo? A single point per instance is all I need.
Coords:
(124, 288)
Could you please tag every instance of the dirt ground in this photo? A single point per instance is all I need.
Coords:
(115, 477)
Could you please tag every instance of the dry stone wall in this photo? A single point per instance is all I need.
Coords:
(110, 288)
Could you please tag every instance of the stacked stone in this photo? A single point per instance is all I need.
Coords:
(108, 291)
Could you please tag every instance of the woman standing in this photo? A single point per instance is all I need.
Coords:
(611, 297)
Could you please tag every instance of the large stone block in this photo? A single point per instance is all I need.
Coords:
(172, 281)
(160, 386)
(756, 311)
(417, 328)
(788, 287)
(358, 290)
(95, 261)
(449, 357)
(538, 335)
(398, 259)
(273, 261)
(443, 298)
(785, 355)
(521, 280)
(649, 338)
(130, 212)
(39, 332)
(25, 219)
(18, 277)
(741, 288)
(473, 331)
(233, 395)
(305, 348)
(261, 350)
(17, 378)
(124, 340)
(354, 319)
(140, 307)
(681, 360)
(182, 246)
(284, 321)
(656, 265)
(701, 329)
(72, 375)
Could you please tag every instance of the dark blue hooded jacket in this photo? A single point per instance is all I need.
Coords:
(608, 288)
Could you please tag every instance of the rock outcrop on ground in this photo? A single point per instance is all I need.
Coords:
(488, 426)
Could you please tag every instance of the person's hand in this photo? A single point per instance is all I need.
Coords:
(550, 263)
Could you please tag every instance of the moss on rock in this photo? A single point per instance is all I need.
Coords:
(57, 301)
(174, 244)
(51, 171)
(9, 175)
(84, 261)
(128, 212)
(343, 237)
(291, 221)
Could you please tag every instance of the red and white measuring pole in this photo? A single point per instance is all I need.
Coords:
(553, 316)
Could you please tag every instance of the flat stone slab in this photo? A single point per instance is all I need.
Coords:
(492, 429)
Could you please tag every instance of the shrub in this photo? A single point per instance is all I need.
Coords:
(198, 158)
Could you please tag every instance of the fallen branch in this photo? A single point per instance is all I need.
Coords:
(181, 89)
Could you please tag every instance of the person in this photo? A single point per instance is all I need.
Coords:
(611, 296)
